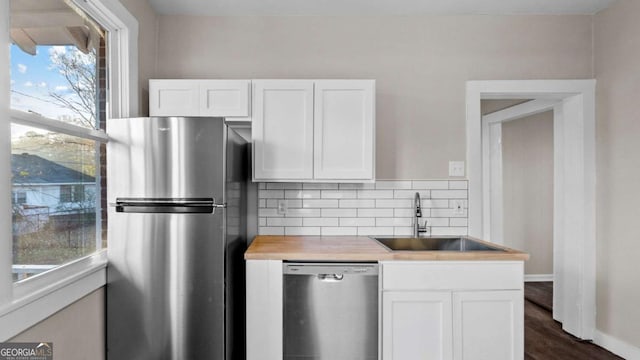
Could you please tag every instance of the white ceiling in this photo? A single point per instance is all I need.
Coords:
(375, 7)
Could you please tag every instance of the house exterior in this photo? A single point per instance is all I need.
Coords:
(44, 190)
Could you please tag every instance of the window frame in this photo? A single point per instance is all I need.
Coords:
(26, 303)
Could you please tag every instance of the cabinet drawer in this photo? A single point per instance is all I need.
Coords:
(452, 275)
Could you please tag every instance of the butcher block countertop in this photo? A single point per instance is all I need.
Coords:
(358, 248)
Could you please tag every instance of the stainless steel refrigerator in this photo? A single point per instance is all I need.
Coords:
(176, 238)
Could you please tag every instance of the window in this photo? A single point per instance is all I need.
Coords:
(19, 197)
(24, 303)
(59, 83)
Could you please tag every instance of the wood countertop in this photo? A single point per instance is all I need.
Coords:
(359, 248)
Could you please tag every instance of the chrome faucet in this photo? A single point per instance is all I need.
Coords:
(417, 229)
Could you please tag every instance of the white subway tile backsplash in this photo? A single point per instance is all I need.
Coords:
(270, 194)
(302, 194)
(381, 208)
(333, 231)
(375, 194)
(339, 194)
(269, 212)
(458, 222)
(448, 213)
(285, 186)
(317, 186)
(284, 221)
(393, 184)
(320, 222)
(375, 212)
(339, 212)
(436, 203)
(449, 194)
(410, 194)
(303, 212)
(453, 203)
(357, 222)
(322, 203)
(458, 184)
(357, 186)
(430, 184)
(357, 203)
(403, 212)
(369, 231)
(437, 221)
(403, 231)
(394, 221)
(449, 231)
(291, 203)
(267, 230)
(396, 203)
(310, 231)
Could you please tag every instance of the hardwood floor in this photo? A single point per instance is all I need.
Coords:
(544, 338)
(540, 293)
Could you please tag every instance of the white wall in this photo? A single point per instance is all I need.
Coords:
(421, 64)
(147, 44)
(527, 168)
(617, 69)
(77, 331)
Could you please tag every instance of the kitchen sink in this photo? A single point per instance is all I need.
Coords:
(461, 244)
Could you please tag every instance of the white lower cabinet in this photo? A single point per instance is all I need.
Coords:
(427, 314)
(488, 325)
(417, 325)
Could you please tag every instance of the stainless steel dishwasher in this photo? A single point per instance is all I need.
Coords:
(330, 311)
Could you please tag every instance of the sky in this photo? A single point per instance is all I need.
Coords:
(33, 78)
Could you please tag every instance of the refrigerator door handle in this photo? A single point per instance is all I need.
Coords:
(157, 205)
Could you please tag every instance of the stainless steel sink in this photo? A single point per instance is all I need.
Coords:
(461, 244)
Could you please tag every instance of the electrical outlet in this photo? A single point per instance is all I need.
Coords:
(282, 207)
(458, 207)
(456, 168)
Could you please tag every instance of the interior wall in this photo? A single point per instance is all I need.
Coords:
(421, 64)
(77, 331)
(617, 69)
(527, 173)
(147, 48)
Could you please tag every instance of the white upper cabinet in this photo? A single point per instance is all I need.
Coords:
(223, 98)
(344, 119)
(314, 130)
(282, 129)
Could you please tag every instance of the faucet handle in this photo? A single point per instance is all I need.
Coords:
(422, 228)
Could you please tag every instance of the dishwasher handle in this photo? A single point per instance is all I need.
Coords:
(330, 277)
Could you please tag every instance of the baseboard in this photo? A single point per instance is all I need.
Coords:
(616, 346)
(538, 277)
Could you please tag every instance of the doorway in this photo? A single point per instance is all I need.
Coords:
(573, 189)
(517, 160)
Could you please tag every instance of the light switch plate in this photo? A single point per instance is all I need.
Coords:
(456, 168)
(283, 207)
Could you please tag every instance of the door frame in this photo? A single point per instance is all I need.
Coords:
(492, 191)
(574, 187)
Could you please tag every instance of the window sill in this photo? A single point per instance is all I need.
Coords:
(39, 297)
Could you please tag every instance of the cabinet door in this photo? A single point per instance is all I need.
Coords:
(416, 325)
(488, 325)
(344, 129)
(282, 129)
(227, 98)
(173, 98)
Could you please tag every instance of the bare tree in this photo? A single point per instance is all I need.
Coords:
(79, 70)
